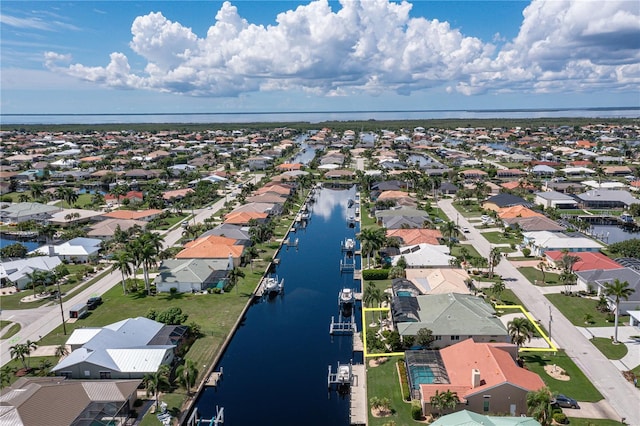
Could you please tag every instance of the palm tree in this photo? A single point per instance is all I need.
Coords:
(37, 190)
(497, 288)
(123, 263)
(444, 401)
(371, 240)
(539, 405)
(372, 295)
(61, 351)
(618, 290)
(6, 374)
(450, 230)
(21, 351)
(187, 374)
(542, 267)
(520, 330)
(494, 258)
(234, 275)
(156, 382)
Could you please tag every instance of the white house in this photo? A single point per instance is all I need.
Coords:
(16, 271)
(555, 199)
(77, 250)
(424, 256)
(541, 241)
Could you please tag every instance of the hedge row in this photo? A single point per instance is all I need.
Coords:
(404, 381)
(375, 274)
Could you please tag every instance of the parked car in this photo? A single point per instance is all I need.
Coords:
(564, 402)
(94, 302)
(465, 230)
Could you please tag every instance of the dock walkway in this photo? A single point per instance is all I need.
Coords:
(358, 407)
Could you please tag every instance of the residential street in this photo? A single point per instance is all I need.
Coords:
(621, 394)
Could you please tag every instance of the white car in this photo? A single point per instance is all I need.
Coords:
(465, 230)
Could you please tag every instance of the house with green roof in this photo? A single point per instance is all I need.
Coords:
(452, 317)
(469, 418)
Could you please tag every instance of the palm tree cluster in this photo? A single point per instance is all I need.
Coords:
(372, 240)
(442, 401)
(142, 251)
(520, 330)
(22, 352)
(67, 194)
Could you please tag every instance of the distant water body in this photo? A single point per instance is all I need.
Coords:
(317, 117)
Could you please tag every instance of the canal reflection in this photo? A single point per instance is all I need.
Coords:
(275, 368)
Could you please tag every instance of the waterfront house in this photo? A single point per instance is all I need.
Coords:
(16, 272)
(241, 234)
(106, 229)
(596, 279)
(77, 250)
(127, 349)
(533, 223)
(23, 212)
(33, 401)
(439, 280)
(192, 275)
(517, 211)
(555, 199)
(489, 382)
(587, 260)
(213, 247)
(245, 218)
(606, 199)
(412, 236)
(424, 256)
(541, 241)
(469, 418)
(406, 217)
(132, 196)
(68, 217)
(452, 317)
(144, 215)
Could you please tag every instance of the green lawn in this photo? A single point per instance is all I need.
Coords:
(470, 210)
(534, 275)
(609, 350)
(575, 421)
(455, 250)
(496, 237)
(11, 331)
(578, 387)
(383, 382)
(507, 297)
(575, 308)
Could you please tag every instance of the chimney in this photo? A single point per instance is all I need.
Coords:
(475, 378)
(52, 250)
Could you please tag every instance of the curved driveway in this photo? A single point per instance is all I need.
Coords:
(620, 393)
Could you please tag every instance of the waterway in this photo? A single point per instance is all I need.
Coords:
(610, 234)
(30, 245)
(276, 365)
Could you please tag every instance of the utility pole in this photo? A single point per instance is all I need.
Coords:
(64, 326)
(550, 321)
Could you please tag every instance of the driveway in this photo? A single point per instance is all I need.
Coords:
(604, 375)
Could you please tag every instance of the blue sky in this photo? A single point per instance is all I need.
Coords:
(262, 56)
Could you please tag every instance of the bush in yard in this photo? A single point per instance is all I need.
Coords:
(560, 418)
(171, 316)
(404, 381)
(416, 410)
(526, 252)
(375, 274)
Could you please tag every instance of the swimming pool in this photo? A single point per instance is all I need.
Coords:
(404, 293)
(421, 375)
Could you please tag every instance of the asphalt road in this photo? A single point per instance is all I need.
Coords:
(620, 393)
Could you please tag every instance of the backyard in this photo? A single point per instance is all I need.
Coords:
(383, 382)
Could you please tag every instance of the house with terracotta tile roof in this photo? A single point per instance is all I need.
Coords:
(287, 167)
(473, 174)
(588, 260)
(414, 236)
(276, 189)
(488, 382)
(213, 247)
(146, 215)
(439, 280)
(132, 196)
(518, 184)
(243, 218)
(517, 211)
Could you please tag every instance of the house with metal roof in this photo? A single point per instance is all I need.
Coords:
(17, 271)
(424, 256)
(469, 418)
(606, 199)
(126, 349)
(23, 212)
(55, 401)
(555, 200)
(77, 250)
(542, 241)
(451, 317)
(192, 275)
(597, 279)
(504, 199)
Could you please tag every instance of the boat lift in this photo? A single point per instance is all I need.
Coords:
(347, 264)
(291, 243)
(343, 377)
(344, 325)
(195, 420)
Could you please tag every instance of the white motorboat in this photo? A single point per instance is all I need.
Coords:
(349, 244)
(344, 374)
(346, 296)
(272, 285)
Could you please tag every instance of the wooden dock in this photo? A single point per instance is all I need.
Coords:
(214, 378)
(358, 346)
(358, 407)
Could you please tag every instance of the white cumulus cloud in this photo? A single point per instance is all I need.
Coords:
(375, 46)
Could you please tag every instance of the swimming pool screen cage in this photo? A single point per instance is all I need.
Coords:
(424, 367)
(629, 262)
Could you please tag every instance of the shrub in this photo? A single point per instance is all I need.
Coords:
(404, 381)
(526, 252)
(560, 418)
(416, 410)
(375, 274)
(173, 291)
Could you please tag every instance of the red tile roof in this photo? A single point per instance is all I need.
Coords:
(588, 260)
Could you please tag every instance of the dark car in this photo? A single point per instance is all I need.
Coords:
(94, 302)
(564, 402)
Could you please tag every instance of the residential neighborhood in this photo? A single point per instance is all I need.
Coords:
(497, 268)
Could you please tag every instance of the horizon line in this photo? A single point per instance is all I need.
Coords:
(324, 112)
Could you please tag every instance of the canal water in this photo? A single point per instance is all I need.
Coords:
(276, 365)
(610, 234)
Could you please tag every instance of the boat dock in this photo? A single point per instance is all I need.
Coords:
(358, 346)
(214, 378)
(358, 407)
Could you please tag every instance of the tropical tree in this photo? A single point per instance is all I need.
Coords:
(234, 275)
(497, 288)
(444, 401)
(494, 258)
(568, 279)
(154, 383)
(67, 194)
(6, 374)
(539, 405)
(371, 240)
(61, 351)
(450, 230)
(542, 266)
(424, 338)
(187, 374)
(618, 290)
(123, 262)
(21, 351)
(520, 330)
(372, 295)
